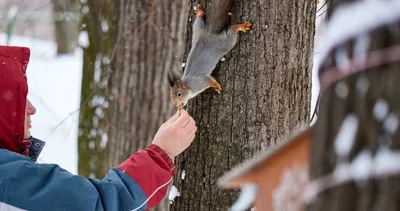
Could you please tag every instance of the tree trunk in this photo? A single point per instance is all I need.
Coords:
(149, 41)
(266, 93)
(372, 96)
(66, 26)
(96, 41)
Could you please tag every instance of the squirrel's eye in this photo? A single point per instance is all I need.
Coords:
(179, 94)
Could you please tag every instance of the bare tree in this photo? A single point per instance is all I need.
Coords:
(149, 37)
(97, 43)
(125, 78)
(66, 24)
(266, 92)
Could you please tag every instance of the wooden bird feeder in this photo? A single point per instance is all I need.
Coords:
(273, 180)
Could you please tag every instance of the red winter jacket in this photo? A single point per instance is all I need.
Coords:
(141, 180)
(13, 92)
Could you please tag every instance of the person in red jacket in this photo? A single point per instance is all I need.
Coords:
(138, 183)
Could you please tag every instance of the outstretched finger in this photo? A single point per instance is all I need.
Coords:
(173, 118)
(183, 119)
(190, 124)
(192, 130)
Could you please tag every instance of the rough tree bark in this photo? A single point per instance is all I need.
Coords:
(149, 40)
(96, 41)
(66, 26)
(373, 97)
(266, 92)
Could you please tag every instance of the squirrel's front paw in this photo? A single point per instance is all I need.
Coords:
(218, 90)
(214, 84)
(243, 27)
(199, 11)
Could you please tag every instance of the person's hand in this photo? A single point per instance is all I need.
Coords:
(176, 134)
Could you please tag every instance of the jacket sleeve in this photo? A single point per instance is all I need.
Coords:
(139, 183)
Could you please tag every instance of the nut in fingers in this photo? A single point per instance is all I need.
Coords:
(243, 27)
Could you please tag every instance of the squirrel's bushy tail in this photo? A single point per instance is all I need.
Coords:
(218, 15)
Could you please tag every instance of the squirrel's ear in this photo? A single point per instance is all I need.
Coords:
(172, 78)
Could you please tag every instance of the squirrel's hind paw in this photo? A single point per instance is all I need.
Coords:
(243, 27)
(199, 11)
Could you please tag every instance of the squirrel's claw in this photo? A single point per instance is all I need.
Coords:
(199, 11)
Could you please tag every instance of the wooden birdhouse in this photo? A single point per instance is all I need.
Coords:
(273, 180)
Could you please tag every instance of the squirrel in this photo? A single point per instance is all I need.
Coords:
(210, 42)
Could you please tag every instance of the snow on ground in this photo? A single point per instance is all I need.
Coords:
(173, 193)
(54, 89)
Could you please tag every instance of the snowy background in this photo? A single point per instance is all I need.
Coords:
(55, 83)
(54, 89)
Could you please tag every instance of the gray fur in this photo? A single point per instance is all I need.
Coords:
(207, 50)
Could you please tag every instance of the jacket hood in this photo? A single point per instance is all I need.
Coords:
(13, 94)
